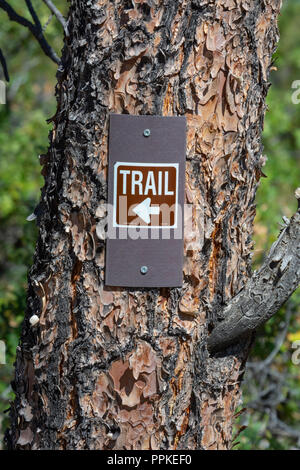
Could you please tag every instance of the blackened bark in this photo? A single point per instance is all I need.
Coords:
(129, 369)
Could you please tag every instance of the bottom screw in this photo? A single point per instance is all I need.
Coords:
(144, 269)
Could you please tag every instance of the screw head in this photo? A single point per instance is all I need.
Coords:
(147, 132)
(144, 269)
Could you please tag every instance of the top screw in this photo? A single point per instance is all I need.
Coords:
(147, 132)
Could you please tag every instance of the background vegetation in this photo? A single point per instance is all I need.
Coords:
(272, 388)
(23, 137)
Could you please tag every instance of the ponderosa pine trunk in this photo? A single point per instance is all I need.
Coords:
(116, 368)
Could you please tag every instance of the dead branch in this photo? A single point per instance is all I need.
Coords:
(4, 66)
(267, 290)
(58, 15)
(35, 28)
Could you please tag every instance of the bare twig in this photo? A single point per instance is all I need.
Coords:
(48, 22)
(33, 14)
(58, 15)
(267, 290)
(35, 28)
(4, 66)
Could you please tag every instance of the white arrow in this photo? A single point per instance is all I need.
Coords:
(144, 210)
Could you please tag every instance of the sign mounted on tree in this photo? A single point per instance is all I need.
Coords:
(145, 194)
(146, 175)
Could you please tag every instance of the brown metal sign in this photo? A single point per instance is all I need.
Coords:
(145, 194)
(145, 201)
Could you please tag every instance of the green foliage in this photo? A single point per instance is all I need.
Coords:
(275, 199)
(23, 136)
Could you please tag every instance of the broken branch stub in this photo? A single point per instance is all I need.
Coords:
(267, 290)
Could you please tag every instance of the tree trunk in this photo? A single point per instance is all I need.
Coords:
(115, 368)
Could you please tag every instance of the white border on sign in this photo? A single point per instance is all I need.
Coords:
(116, 166)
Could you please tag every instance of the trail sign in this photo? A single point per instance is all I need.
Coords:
(145, 190)
(146, 175)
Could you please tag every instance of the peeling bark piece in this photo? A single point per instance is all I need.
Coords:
(26, 437)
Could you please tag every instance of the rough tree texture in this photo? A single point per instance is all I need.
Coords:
(127, 369)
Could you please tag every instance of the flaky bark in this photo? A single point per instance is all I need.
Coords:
(129, 369)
